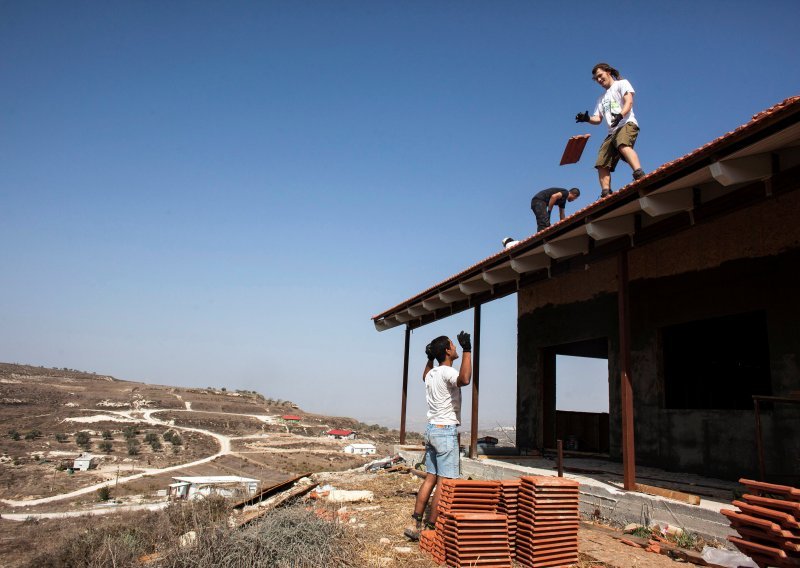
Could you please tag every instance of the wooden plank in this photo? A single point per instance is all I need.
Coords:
(250, 516)
(668, 493)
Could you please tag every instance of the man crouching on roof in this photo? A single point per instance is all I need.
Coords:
(443, 395)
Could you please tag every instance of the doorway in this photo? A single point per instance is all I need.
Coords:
(576, 396)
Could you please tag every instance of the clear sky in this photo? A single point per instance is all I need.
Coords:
(223, 193)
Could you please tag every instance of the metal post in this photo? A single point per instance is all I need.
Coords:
(405, 388)
(476, 365)
(560, 458)
(626, 386)
(759, 447)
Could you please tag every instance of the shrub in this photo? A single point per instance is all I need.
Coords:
(60, 437)
(106, 446)
(107, 435)
(13, 434)
(176, 440)
(83, 438)
(130, 432)
(133, 447)
(104, 493)
(33, 434)
(156, 445)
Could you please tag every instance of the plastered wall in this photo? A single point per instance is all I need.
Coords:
(743, 262)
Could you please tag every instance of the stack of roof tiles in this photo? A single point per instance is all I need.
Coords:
(548, 519)
(476, 539)
(509, 499)
(469, 532)
(430, 543)
(768, 524)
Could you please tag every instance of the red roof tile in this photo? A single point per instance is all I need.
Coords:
(574, 149)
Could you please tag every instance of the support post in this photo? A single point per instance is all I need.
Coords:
(476, 366)
(626, 383)
(560, 458)
(759, 445)
(405, 388)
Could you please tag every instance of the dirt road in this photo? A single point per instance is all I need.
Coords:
(146, 416)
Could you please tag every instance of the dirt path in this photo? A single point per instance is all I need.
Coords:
(147, 416)
(96, 511)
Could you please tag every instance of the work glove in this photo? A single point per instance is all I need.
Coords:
(582, 116)
(464, 341)
(429, 352)
(615, 118)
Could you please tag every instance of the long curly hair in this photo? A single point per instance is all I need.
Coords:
(608, 68)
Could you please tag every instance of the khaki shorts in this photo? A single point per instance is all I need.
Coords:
(608, 154)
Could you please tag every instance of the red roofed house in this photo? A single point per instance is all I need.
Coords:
(341, 434)
(290, 418)
(687, 283)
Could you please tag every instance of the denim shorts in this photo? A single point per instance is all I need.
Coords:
(442, 454)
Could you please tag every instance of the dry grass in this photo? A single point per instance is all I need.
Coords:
(291, 537)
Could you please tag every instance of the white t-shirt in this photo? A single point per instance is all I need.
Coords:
(443, 395)
(611, 102)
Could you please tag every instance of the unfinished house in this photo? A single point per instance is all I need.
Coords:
(687, 284)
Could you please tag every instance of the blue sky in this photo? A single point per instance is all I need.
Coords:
(224, 193)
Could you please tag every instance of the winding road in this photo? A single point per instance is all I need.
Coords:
(132, 415)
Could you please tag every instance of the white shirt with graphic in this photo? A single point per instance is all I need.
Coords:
(611, 102)
(443, 395)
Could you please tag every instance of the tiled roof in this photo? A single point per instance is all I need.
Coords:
(758, 122)
(339, 432)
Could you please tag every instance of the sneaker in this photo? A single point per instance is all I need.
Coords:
(606, 193)
(638, 174)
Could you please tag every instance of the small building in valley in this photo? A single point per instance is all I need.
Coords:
(85, 462)
(232, 486)
(361, 449)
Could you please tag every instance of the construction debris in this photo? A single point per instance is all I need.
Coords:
(668, 493)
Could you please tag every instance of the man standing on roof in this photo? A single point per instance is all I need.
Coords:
(544, 201)
(616, 107)
(443, 395)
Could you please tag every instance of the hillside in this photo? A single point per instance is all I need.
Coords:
(146, 434)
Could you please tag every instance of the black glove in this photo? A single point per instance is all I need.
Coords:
(429, 352)
(463, 340)
(582, 116)
(615, 118)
